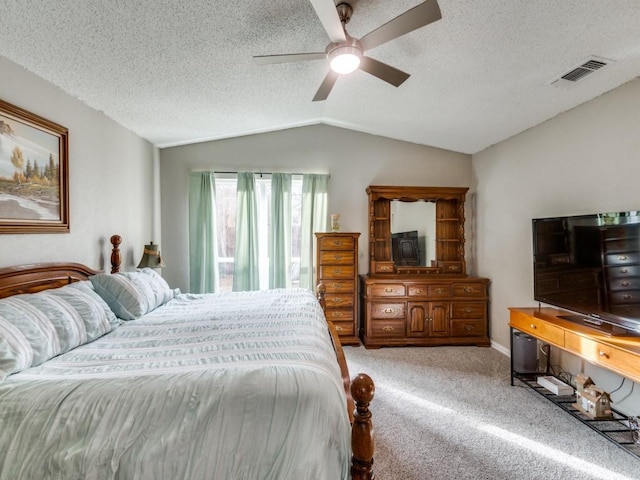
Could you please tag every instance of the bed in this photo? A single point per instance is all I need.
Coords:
(244, 385)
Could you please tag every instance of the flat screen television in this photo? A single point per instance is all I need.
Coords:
(590, 265)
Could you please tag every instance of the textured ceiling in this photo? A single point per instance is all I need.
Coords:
(178, 72)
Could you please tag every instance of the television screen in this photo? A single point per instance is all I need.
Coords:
(590, 265)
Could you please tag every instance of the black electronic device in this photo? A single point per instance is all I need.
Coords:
(590, 265)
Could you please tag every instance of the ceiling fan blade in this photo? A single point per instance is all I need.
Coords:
(326, 86)
(288, 57)
(328, 15)
(412, 19)
(383, 71)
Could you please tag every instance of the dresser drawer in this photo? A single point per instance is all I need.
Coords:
(623, 271)
(418, 290)
(336, 243)
(630, 283)
(339, 314)
(336, 271)
(609, 357)
(621, 258)
(388, 290)
(388, 310)
(624, 296)
(468, 328)
(468, 309)
(384, 267)
(469, 290)
(339, 286)
(344, 328)
(538, 328)
(450, 267)
(387, 328)
(438, 291)
(336, 300)
(336, 257)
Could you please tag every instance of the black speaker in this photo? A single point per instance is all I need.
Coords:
(524, 352)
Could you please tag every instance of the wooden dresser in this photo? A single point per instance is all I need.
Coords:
(337, 263)
(400, 310)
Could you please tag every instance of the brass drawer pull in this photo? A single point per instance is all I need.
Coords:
(337, 300)
(624, 270)
(625, 283)
(440, 291)
(468, 289)
(417, 291)
(337, 271)
(387, 328)
(336, 314)
(385, 268)
(603, 354)
(337, 257)
(627, 297)
(468, 310)
(388, 289)
(337, 243)
(338, 328)
(388, 310)
(337, 285)
(623, 257)
(469, 327)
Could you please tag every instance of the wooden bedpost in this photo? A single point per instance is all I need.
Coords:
(116, 258)
(362, 444)
(321, 290)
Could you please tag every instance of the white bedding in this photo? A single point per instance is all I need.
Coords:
(222, 386)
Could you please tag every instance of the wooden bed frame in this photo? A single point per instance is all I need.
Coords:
(359, 391)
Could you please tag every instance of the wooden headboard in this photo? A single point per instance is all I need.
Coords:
(41, 276)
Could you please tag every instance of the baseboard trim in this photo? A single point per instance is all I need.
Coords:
(503, 350)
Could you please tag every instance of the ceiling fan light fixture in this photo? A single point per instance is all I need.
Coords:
(345, 59)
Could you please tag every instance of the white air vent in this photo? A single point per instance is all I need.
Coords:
(587, 67)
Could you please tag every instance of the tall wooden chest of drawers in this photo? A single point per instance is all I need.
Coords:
(403, 310)
(337, 263)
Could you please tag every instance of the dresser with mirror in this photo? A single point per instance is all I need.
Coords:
(417, 291)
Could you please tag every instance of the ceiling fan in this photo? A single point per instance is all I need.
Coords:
(346, 54)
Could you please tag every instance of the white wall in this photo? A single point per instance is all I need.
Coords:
(353, 160)
(583, 161)
(110, 180)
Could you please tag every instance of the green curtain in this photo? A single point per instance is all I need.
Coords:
(246, 266)
(313, 219)
(203, 248)
(280, 232)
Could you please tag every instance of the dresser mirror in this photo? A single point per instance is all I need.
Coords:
(413, 233)
(400, 216)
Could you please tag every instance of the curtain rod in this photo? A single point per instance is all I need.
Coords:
(257, 173)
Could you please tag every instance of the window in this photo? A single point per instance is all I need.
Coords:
(225, 198)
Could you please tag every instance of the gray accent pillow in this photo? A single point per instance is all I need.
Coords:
(133, 294)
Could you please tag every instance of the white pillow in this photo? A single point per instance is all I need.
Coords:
(36, 327)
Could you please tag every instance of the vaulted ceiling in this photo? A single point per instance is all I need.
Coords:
(178, 72)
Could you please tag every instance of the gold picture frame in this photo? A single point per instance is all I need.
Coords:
(34, 173)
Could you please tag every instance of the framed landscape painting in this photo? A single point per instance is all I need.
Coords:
(34, 173)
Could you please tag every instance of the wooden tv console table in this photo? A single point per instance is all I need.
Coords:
(619, 354)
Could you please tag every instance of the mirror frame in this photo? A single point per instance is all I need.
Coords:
(450, 252)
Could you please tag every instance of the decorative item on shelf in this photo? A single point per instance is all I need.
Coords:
(335, 222)
(151, 257)
(594, 402)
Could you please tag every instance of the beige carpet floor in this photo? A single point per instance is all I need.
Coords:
(451, 413)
